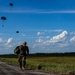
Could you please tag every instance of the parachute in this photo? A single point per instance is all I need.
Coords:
(17, 31)
(3, 18)
(11, 4)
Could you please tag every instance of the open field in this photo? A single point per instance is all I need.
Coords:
(64, 64)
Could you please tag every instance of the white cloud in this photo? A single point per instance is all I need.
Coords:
(72, 33)
(48, 37)
(39, 40)
(47, 31)
(72, 39)
(23, 35)
(39, 33)
(10, 40)
(9, 43)
(47, 42)
(63, 44)
(59, 38)
(1, 40)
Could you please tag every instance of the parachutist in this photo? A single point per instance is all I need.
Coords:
(17, 31)
(2, 25)
(3, 18)
(11, 4)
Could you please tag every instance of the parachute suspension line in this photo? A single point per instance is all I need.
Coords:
(3, 18)
(11, 5)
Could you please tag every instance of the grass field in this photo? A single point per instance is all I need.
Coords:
(51, 64)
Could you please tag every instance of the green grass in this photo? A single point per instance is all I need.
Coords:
(56, 64)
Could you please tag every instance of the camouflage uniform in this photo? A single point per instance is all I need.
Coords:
(24, 51)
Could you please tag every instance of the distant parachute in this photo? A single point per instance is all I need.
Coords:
(3, 18)
(11, 4)
(2, 25)
(17, 31)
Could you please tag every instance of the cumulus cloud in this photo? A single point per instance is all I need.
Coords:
(39, 40)
(73, 33)
(1, 40)
(23, 35)
(39, 33)
(48, 37)
(59, 38)
(9, 42)
(72, 39)
(63, 44)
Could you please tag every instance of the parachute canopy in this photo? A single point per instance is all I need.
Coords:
(17, 31)
(3, 18)
(11, 4)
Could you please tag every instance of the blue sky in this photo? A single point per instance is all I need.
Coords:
(46, 25)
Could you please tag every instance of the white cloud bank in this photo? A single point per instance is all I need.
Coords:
(10, 40)
(39, 33)
(59, 38)
(58, 43)
(1, 40)
(39, 40)
(9, 43)
(72, 33)
(72, 39)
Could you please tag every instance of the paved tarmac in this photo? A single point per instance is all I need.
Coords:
(8, 69)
